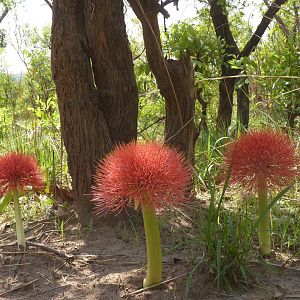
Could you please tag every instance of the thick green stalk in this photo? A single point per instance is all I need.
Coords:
(19, 224)
(154, 255)
(264, 230)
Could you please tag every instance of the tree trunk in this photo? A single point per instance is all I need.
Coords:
(180, 130)
(86, 99)
(226, 90)
(226, 86)
(243, 104)
(175, 79)
(293, 111)
(203, 123)
(112, 68)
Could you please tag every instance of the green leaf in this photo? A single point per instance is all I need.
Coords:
(49, 201)
(273, 202)
(5, 201)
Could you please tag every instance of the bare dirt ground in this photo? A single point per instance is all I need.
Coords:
(108, 262)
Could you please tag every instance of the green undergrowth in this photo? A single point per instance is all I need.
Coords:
(226, 239)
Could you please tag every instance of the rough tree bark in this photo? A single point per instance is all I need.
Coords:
(227, 85)
(175, 79)
(97, 94)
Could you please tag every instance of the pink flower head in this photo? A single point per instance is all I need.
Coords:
(262, 156)
(148, 174)
(19, 172)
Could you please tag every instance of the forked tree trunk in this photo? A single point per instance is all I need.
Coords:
(227, 85)
(95, 85)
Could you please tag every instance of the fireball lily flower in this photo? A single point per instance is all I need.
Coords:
(18, 173)
(148, 176)
(260, 161)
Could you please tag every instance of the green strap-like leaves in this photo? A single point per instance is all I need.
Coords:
(4, 201)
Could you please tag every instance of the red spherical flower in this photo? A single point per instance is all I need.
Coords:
(148, 174)
(262, 156)
(19, 172)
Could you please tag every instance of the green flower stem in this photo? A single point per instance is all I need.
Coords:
(19, 224)
(264, 230)
(154, 255)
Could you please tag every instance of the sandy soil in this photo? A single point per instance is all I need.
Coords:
(108, 262)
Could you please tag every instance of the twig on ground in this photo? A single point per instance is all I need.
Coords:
(18, 252)
(19, 287)
(154, 286)
(45, 292)
(256, 285)
(39, 230)
(59, 268)
(44, 276)
(26, 231)
(15, 243)
(14, 265)
(18, 265)
(68, 257)
(288, 260)
(7, 245)
(283, 267)
(185, 215)
(35, 226)
(221, 294)
(44, 221)
(48, 237)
